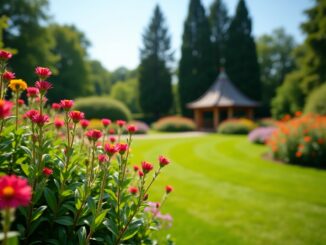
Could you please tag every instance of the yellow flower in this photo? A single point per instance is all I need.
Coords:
(17, 85)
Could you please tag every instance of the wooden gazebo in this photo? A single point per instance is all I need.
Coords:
(222, 96)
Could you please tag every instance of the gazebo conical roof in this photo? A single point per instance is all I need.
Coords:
(222, 94)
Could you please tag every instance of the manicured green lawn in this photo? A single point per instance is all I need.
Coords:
(225, 193)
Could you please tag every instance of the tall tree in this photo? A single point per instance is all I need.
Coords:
(219, 21)
(196, 68)
(74, 72)
(276, 59)
(155, 89)
(311, 62)
(27, 34)
(241, 56)
(100, 78)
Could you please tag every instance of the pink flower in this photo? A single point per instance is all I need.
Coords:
(47, 171)
(112, 139)
(84, 123)
(7, 76)
(140, 173)
(131, 129)
(111, 149)
(106, 122)
(76, 116)
(94, 134)
(56, 106)
(163, 161)
(32, 92)
(136, 168)
(121, 123)
(14, 192)
(102, 158)
(133, 190)
(66, 104)
(122, 148)
(58, 123)
(21, 102)
(39, 119)
(43, 86)
(111, 131)
(31, 113)
(43, 72)
(44, 100)
(146, 166)
(5, 108)
(4, 55)
(168, 189)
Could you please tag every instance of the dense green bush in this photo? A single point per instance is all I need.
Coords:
(174, 124)
(236, 126)
(316, 102)
(103, 107)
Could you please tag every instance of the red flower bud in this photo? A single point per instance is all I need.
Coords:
(168, 189)
(111, 131)
(136, 168)
(47, 171)
(76, 116)
(39, 119)
(43, 86)
(163, 161)
(4, 55)
(112, 139)
(43, 72)
(106, 122)
(145, 197)
(147, 167)
(94, 135)
(58, 123)
(21, 102)
(56, 106)
(121, 123)
(66, 104)
(122, 148)
(84, 123)
(132, 129)
(32, 92)
(102, 158)
(5, 108)
(133, 190)
(111, 149)
(140, 173)
(7, 76)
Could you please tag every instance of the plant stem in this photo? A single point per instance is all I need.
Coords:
(17, 96)
(6, 225)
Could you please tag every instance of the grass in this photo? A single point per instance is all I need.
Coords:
(225, 193)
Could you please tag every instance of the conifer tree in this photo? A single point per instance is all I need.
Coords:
(155, 88)
(241, 56)
(219, 21)
(196, 68)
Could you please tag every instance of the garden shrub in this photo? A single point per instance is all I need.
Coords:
(316, 102)
(267, 122)
(261, 135)
(142, 127)
(301, 140)
(102, 107)
(174, 124)
(60, 186)
(236, 126)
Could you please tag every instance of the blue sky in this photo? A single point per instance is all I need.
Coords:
(114, 27)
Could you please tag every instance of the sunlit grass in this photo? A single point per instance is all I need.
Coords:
(225, 193)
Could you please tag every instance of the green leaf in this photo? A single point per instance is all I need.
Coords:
(91, 205)
(38, 212)
(35, 224)
(82, 235)
(26, 150)
(25, 169)
(132, 229)
(64, 220)
(99, 219)
(50, 198)
(67, 193)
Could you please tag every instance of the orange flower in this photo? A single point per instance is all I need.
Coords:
(298, 154)
(307, 139)
(321, 141)
(298, 113)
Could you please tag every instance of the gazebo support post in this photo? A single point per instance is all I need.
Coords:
(250, 113)
(216, 116)
(230, 112)
(198, 118)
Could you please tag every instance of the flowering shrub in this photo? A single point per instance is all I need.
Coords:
(142, 128)
(99, 107)
(174, 124)
(261, 135)
(63, 181)
(236, 126)
(301, 140)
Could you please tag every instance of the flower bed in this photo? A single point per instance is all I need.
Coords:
(174, 124)
(236, 126)
(261, 135)
(63, 182)
(301, 140)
